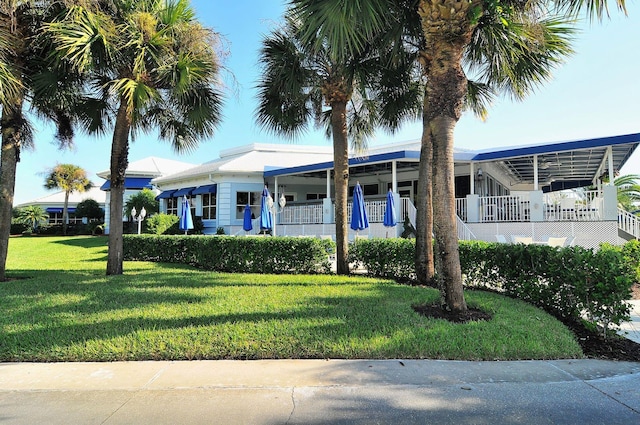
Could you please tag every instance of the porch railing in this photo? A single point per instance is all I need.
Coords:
(503, 208)
(629, 223)
(312, 213)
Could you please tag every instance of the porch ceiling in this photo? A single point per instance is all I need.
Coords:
(581, 161)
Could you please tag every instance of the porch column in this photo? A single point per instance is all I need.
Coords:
(610, 162)
(327, 204)
(275, 201)
(473, 207)
(328, 184)
(610, 203)
(535, 172)
(394, 177)
(472, 178)
(536, 205)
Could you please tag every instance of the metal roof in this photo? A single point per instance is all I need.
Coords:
(561, 165)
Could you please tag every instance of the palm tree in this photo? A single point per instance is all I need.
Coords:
(32, 215)
(301, 83)
(69, 178)
(451, 28)
(628, 192)
(150, 65)
(26, 75)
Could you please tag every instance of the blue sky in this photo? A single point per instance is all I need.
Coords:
(595, 93)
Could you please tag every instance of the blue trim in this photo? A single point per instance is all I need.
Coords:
(70, 210)
(182, 192)
(130, 183)
(166, 194)
(210, 188)
(557, 147)
(352, 162)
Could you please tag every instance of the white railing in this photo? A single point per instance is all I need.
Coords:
(461, 208)
(629, 223)
(503, 208)
(582, 205)
(375, 210)
(464, 233)
(407, 209)
(301, 214)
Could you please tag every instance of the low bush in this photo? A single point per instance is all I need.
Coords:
(233, 254)
(159, 224)
(390, 258)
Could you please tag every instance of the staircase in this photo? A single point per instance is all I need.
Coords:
(628, 225)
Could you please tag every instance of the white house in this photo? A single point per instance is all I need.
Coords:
(520, 191)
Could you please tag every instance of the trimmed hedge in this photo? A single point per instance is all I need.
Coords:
(572, 282)
(233, 254)
(390, 258)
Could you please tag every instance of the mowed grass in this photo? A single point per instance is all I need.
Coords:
(60, 306)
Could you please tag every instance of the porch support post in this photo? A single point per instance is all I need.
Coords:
(535, 172)
(536, 205)
(394, 177)
(328, 184)
(473, 208)
(275, 202)
(610, 203)
(327, 204)
(472, 178)
(610, 163)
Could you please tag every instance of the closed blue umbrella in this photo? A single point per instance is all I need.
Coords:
(246, 223)
(359, 220)
(266, 220)
(389, 219)
(186, 221)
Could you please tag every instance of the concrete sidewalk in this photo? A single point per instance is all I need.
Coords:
(321, 392)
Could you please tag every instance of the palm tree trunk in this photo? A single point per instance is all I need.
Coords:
(8, 163)
(341, 182)
(425, 269)
(447, 30)
(119, 164)
(65, 213)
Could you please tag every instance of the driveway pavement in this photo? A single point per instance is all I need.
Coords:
(321, 392)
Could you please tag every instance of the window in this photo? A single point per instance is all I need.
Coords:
(172, 206)
(209, 206)
(314, 196)
(244, 198)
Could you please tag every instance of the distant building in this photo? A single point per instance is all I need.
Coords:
(54, 203)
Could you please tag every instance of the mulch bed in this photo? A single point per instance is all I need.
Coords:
(593, 344)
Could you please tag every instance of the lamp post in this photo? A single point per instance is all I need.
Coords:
(274, 210)
(139, 217)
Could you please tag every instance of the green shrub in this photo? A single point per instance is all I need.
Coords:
(390, 258)
(631, 252)
(572, 282)
(233, 254)
(160, 224)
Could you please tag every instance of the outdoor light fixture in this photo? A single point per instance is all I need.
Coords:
(479, 173)
(139, 218)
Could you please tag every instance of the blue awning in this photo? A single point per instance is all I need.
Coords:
(181, 192)
(59, 210)
(130, 183)
(210, 188)
(166, 194)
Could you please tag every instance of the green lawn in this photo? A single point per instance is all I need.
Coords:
(60, 306)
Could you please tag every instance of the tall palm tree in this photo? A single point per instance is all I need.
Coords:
(150, 65)
(301, 84)
(69, 178)
(449, 28)
(27, 76)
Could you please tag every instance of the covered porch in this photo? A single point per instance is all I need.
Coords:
(559, 189)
